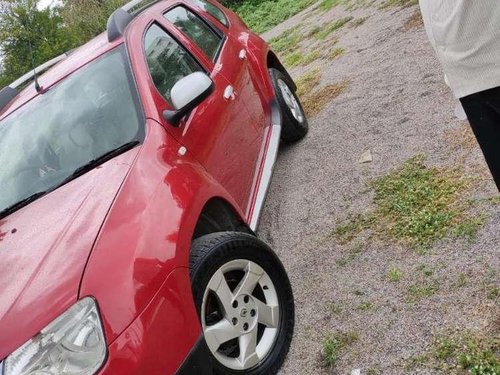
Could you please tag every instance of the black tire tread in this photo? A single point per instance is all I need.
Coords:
(203, 256)
(291, 130)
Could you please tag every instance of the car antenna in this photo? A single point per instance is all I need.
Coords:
(38, 88)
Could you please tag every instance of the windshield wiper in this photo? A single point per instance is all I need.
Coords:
(100, 160)
(21, 203)
(78, 172)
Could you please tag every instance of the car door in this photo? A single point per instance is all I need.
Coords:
(233, 62)
(219, 132)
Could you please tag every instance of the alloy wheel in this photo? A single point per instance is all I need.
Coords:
(291, 102)
(240, 314)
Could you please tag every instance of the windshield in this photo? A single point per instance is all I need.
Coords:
(87, 115)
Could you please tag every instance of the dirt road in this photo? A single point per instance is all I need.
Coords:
(397, 106)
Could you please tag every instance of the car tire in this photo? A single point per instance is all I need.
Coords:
(242, 292)
(294, 121)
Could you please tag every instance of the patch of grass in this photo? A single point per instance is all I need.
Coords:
(394, 275)
(333, 346)
(285, 43)
(299, 58)
(461, 281)
(335, 308)
(307, 82)
(476, 354)
(288, 46)
(426, 271)
(373, 371)
(414, 21)
(358, 22)
(345, 233)
(293, 59)
(348, 258)
(416, 361)
(494, 201)
(323, 32)
(421, 290)
(398, 3)
(493, 293)
(328, 4)
(315, 102)
(336, 52)
(349, 5)
(417, 205)
(262, 15)
(365, 306)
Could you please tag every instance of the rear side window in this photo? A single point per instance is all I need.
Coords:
(196, 29)
(213, 10)
(168, 62)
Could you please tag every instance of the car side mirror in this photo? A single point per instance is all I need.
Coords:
(187, 94)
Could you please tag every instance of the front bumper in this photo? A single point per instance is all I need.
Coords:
(165, 339)
(199, 360)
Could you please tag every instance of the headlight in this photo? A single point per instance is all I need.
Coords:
(73, 344)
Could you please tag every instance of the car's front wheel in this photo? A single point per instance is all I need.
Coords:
(294, 121)
(244, 301)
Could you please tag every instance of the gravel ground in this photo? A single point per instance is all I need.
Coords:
(397, 106)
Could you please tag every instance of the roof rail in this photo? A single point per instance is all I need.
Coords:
(10, 92)
(121, 17)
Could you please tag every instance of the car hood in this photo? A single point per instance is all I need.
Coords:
(44, 248)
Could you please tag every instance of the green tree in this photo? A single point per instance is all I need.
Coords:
(29, 36)
(88, 18)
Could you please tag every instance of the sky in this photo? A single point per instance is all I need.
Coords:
(46, 3)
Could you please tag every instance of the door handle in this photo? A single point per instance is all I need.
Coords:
(243, 54)
(229, 93)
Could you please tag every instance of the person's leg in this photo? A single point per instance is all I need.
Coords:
(483, 112)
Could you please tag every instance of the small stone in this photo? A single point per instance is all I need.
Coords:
(366, 157)
(356, 372)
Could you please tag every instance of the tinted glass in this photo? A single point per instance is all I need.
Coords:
(213, 10)
(87, 115)
(196, 29)
(168, 62)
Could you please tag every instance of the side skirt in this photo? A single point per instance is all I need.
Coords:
(268, 166)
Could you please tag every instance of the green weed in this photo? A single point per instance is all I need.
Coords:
(308, 82)
(334, 344)
(394, 275)
(262, 15)
(417, 205)
(476, 354)
(398, 3)
(324, 31)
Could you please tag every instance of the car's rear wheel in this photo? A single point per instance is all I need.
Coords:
(244, 301)
(294, 121)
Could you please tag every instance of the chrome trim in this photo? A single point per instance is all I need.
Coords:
(131, 5)
(1, 368)
(30, 75)
(267, 174)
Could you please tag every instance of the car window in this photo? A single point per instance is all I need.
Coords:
(90, 113)
(213, 10)
(196, 29)
(168, 62)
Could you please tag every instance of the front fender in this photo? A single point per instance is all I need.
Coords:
(148, 231)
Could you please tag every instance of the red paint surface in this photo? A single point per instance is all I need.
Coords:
(122, 232)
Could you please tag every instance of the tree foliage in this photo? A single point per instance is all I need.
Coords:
(30, 36)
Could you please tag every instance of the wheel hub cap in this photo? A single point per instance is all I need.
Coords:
(291, 102)
(249, 322)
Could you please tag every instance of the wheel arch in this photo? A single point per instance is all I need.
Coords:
(274, 62)
(218, 215)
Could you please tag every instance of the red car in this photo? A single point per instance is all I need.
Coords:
(133, 173)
